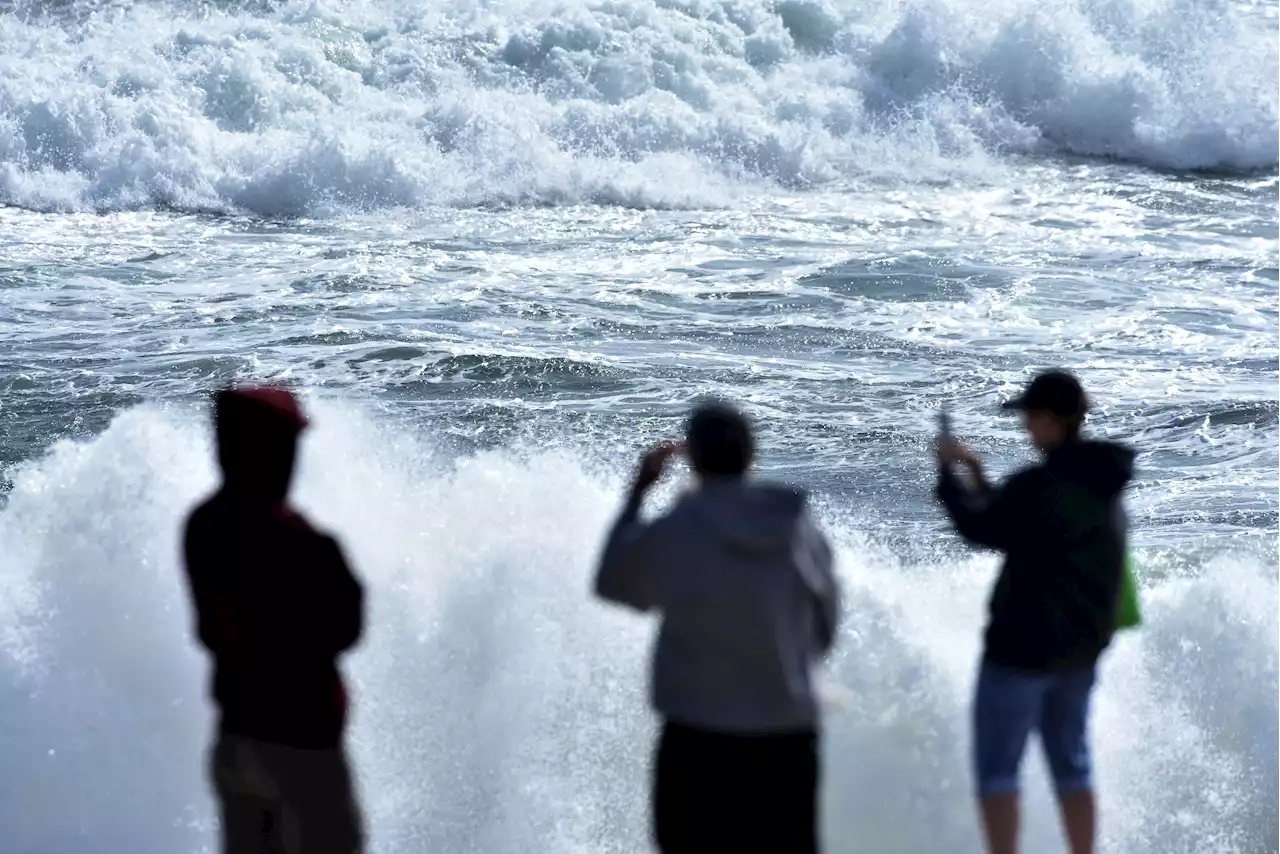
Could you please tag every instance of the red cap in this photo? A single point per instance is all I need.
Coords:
(269, 400)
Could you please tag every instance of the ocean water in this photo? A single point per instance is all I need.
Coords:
(499, 247)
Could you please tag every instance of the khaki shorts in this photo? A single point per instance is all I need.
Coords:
(284, 800)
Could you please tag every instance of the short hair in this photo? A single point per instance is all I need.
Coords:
(719, 439)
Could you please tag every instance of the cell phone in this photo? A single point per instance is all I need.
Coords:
(944, 424)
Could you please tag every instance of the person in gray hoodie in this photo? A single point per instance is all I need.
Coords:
(744, 582)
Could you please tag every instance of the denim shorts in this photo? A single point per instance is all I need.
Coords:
(1009, 704)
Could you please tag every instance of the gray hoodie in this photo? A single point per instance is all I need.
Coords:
(749, 601)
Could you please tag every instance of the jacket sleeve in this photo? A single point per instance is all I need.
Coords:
(989, 518)
(631, 562)
(816, 563)
(213, 623)
(343, 620)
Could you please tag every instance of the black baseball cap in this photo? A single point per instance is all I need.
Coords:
(1057, 392)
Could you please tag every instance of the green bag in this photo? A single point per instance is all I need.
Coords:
(1128, 615)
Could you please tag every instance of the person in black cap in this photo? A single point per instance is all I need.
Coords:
(1062, 529)
(744, 582)
(275, 605)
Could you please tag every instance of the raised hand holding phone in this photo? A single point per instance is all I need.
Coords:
(950, 451)
(654, 463)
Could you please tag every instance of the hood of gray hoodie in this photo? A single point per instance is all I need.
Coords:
(748, 516)
(751, 606)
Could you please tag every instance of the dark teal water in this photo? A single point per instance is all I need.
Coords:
(501, 248)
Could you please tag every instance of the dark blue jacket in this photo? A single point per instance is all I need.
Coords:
(1062, 529)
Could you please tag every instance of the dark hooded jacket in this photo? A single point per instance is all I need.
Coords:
(1062, 528)
(275, 600)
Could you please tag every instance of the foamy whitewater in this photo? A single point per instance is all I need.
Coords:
(501, 246)
(225, 106)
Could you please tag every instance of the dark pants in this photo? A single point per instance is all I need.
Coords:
(723, 794)
(275, 799)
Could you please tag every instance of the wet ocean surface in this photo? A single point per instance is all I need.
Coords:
(500, 249)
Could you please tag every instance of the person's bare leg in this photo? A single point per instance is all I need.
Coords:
(1079, 819)
(1000, 819)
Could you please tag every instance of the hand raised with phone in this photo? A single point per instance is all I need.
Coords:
(951, 451)
(654, 463)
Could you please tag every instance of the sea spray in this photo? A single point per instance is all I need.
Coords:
(331, 106)
(499, 709)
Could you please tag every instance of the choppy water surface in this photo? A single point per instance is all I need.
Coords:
(501, 246)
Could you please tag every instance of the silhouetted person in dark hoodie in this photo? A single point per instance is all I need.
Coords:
(1062, 528)
(745, 585)
(276, 604)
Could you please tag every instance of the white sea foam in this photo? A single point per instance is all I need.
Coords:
(311, 107)
(499, 709)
